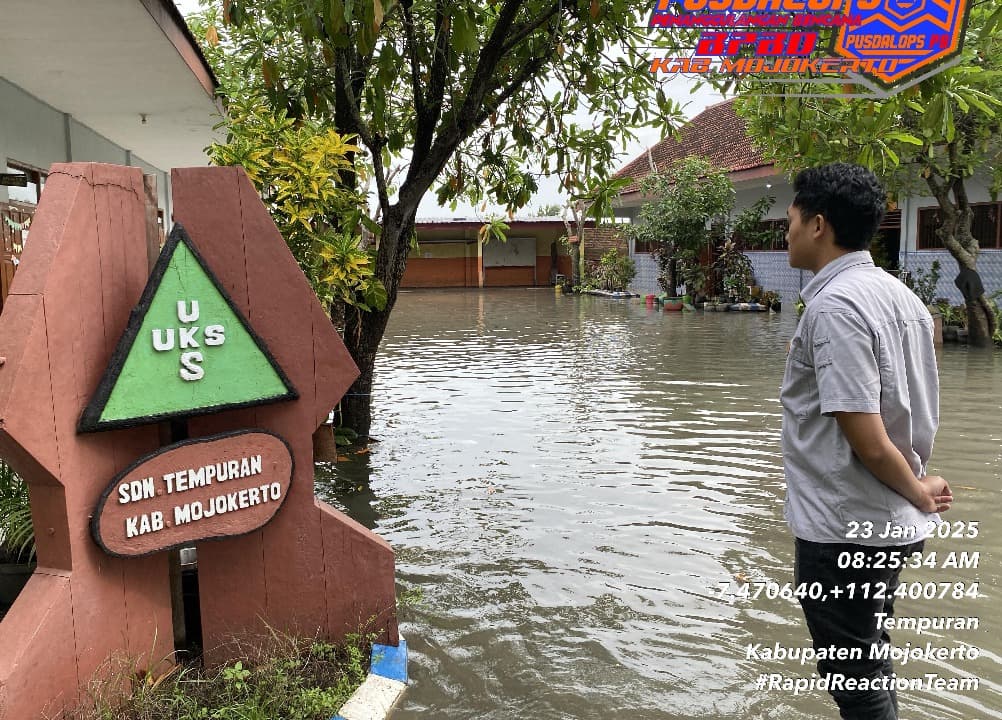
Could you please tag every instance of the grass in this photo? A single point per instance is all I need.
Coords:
(278, 678)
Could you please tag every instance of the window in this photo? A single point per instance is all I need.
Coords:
(984, 226)
(36, 182)
(770, 235)
(777, 229)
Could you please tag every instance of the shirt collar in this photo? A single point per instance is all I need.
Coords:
(832, 269)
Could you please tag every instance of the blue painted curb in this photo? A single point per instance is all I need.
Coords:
(383, 687)
(390, 662)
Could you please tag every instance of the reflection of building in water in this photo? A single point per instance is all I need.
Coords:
(906, 240)
(88, 98)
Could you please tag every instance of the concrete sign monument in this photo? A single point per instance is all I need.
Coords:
(227, 341)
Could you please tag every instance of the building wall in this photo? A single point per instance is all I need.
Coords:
(645, 282)
(772, 270)
(35, 133)
(442, 264)
(989, 267)
(450, 255)
(599, 240)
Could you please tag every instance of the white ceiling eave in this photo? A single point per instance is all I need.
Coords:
(109, 62)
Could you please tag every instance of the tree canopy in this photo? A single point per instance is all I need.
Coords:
(469, 95)
(686, 200)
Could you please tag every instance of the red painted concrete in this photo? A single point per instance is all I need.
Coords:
(286, 578)
(79, 278)
(311, 569)
(440, 272)
(511, 276)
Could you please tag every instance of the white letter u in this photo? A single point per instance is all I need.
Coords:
(185, 315)
(159, 343)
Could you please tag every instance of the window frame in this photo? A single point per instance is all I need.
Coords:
(933, 210)
(36, 177)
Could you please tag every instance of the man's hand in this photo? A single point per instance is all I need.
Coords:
(868, 438)
(938, 497)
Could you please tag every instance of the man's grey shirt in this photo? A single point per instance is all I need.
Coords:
(863, 344)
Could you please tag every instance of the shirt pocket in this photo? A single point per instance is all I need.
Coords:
(800, 385)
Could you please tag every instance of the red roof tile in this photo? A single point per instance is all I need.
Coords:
(717, 133)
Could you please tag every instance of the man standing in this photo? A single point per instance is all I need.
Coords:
(860, 409)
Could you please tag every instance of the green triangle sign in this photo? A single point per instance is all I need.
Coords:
(186, 351)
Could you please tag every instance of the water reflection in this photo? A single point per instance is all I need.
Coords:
(567, 480)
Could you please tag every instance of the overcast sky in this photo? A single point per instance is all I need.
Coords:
(549, 190)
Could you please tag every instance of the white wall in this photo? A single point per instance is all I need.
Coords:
(773, 272)
(34, 133)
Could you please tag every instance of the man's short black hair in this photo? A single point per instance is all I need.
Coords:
(849, 197)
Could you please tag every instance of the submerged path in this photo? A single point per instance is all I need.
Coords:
(567, 481)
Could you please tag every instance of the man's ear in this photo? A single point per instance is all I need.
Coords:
(819, 224)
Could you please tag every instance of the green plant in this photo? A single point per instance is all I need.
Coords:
(693, 276)
(17, 535)
(923, 283)
(299, 168)
(749, 228)
(690, 200)
(770, 298)
(951, 314)
(736, 269)
(280, 677)
(612, 272)
(344, 436)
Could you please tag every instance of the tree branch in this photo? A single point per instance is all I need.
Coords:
(519, 34)
(427, 120)
(526, 73)
(410, 43)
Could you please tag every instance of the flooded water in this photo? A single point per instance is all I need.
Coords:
(567, 481)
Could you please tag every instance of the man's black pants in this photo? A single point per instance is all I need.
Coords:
(851, 622)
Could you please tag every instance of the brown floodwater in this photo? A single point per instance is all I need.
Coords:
(567, 481)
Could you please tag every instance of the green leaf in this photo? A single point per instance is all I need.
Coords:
(904, 137)
(334, 17)
(464, 32)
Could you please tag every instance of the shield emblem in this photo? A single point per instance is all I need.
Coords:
(897, 40)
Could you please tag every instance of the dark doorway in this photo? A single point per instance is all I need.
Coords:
(886, 245)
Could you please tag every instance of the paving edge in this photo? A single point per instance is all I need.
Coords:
(383, 687)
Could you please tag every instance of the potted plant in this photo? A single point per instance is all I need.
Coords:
(17, 535)
(771, 299)
(736, 269)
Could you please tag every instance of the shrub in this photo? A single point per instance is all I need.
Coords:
(17, 535)
(612, 272)
(924, 283)
(281, 678)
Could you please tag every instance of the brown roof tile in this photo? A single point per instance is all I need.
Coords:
(716, 133)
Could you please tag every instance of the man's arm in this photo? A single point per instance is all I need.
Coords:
(868, 438)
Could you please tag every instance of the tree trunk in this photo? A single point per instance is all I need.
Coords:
(576, 262)
(324, 446)
(980, 323)
(955, 232)
(363, 331)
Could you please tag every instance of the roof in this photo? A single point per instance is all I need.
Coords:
(480, 221)
(717, 133)
(129, 70)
